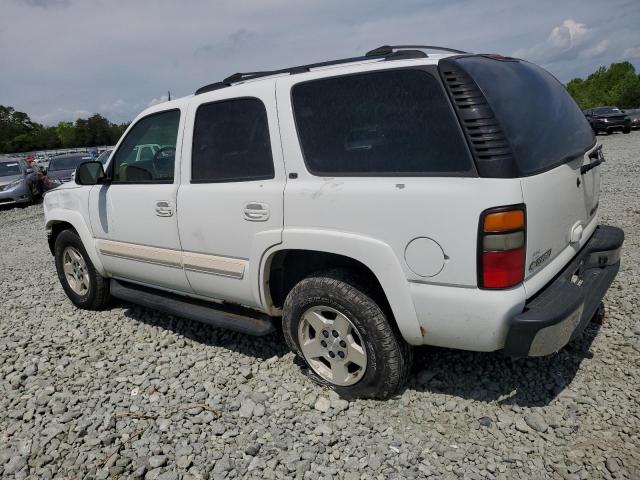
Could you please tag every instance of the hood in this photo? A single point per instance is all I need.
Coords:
(60, 174)
(10, 178)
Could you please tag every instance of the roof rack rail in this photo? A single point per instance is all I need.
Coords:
(238, 77)
(385, 52)
(388, 49)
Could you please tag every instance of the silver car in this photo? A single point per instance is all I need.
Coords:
(19, 183)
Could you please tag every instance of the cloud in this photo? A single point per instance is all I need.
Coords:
(596, 50)
(632, 53)
(568, 35)
(156, 101)
(115, 56)
(60, 115)
(46, 3)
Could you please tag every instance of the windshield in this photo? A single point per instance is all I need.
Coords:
(67, 163)
(104, 157)
(606, 110)
(9, 168)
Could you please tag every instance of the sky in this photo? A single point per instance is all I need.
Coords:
(64, 59)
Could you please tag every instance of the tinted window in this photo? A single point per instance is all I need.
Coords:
(67, 162)
(147, 154)
(606, 110)
(542, 122)
(231, 142)
(9, 168)
(393, 122)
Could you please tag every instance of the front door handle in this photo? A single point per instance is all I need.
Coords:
(256, 211)
(164, 208)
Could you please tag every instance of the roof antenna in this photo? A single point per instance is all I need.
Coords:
(169, 96)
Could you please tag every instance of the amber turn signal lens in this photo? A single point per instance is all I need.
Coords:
(504, 221)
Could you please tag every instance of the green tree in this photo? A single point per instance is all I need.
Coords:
(618, 85)
(65, 134)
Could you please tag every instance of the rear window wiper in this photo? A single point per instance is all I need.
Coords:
(598, 158)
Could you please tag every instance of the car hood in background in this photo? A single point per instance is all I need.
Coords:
(10, 178)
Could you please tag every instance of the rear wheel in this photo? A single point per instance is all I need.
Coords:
(85, 287)
(345, 337)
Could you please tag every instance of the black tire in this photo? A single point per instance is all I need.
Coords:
(389, 357)
(626, 130)
(97, 295)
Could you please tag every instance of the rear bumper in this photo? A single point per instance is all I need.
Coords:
(562, 310)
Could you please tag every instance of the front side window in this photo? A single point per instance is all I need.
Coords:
(231, 142)
(395, 122)
(147, 154)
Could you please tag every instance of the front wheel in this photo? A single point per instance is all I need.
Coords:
(345, 337)
(626, 130)
(85, 287)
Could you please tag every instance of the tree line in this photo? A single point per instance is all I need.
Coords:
(618, 86)
(18, 133)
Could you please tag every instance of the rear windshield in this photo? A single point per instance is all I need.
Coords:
(543, 124)
(9, 168)
(606, 111)
(67, 163)
(389, 123)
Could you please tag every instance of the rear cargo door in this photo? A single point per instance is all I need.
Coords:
(552, 144)
(561, 207)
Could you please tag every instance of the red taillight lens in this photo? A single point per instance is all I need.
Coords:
(501, 244)
(502, 269)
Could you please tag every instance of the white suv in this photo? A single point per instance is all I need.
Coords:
(373, 203)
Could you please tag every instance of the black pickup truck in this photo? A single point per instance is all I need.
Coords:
(608, 119)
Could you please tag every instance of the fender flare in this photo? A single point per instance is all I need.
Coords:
(75, 219)
(376, 255)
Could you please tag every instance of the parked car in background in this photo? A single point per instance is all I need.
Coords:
(103, 158)
(62, 167)
(608, 119)
(634, 116)
(19, 182)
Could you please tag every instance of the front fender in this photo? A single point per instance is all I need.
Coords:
(63, 207)
(376, 255)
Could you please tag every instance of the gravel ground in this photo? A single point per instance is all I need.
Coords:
(131, 393)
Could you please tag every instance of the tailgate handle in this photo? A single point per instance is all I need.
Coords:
(596, 155)
(585, 168)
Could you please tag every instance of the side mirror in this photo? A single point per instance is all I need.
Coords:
(90, 173)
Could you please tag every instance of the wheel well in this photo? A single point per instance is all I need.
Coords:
(54, 230)
(288, 267)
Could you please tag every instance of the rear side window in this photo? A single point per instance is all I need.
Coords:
(395, 122)
(543, 124)
(231, 142)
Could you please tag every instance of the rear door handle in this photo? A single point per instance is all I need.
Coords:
(164, 208)
(256, 212)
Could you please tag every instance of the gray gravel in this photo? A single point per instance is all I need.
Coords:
(131, 393)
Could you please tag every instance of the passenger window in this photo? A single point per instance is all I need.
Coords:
(388, 123)
(231, 142)
(147, 154)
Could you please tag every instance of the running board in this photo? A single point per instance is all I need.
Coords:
(230, 317)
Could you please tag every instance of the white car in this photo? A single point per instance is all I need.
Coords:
(375, 203)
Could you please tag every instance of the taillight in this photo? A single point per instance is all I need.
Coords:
(501, 247)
